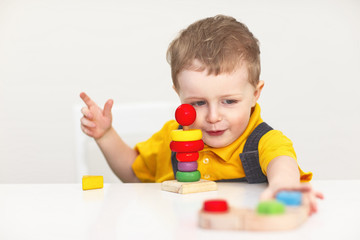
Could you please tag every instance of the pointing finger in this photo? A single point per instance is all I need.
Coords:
(87, 100)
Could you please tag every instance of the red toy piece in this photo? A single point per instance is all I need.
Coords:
(215, 206)
(190, 146)
(187, 156)
(185, 114)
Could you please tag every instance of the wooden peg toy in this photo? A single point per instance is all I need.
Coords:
(273, 215)
(187, 143)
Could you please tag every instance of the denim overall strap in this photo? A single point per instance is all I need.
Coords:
(250, 155)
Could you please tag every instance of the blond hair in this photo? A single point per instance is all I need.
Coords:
(219, 43)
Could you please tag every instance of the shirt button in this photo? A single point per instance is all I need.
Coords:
(206, 161)
(206, 176)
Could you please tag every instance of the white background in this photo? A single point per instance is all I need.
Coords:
(50, 51)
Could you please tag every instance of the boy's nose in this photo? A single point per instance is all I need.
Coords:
(213, 115)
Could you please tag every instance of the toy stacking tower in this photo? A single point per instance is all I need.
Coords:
(186, 144)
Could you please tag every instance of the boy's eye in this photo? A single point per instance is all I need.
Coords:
(229, 101)
(198, 103)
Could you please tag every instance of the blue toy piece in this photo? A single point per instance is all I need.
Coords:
(289, 198)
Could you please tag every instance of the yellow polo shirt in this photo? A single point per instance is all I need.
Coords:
(153, 163)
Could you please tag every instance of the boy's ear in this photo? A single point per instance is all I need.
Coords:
(258, 90)
(177, 92)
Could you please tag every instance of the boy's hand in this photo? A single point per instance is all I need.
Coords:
(96, 121)
(309, 195)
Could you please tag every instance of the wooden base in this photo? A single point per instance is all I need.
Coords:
(250, 220)
(188, 187)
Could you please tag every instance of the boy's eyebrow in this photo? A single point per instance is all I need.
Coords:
(232, 95)
(193, 98)
(222, 96)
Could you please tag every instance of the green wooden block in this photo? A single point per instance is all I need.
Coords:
(271, 207)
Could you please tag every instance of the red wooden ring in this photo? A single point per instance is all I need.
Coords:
(215, 206)
(190, 146)
(187, 156)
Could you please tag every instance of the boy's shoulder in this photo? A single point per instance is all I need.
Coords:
(170, 125)
(275, 136)
(275, 143)
(167, 128)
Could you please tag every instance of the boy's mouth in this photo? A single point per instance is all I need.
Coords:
(215, 133)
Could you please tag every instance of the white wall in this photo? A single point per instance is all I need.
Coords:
(50, 51)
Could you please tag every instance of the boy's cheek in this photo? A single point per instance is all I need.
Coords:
(196, 125)
(199, 122)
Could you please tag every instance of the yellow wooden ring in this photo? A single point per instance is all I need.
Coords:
(186, 136)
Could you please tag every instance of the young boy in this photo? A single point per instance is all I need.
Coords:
(215, 65)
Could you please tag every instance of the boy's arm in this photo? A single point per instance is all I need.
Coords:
(283, 174)
(119, 155)
(97, 123)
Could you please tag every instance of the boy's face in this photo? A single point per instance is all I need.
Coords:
(223, 103)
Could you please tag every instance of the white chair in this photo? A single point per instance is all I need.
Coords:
(134, 122)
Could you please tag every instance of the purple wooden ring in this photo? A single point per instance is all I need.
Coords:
(187, 166)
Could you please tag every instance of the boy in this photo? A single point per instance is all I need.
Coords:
(215, 65)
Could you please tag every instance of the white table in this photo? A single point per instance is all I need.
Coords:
(143, 211)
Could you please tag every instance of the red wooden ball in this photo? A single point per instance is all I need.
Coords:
(185, 114)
